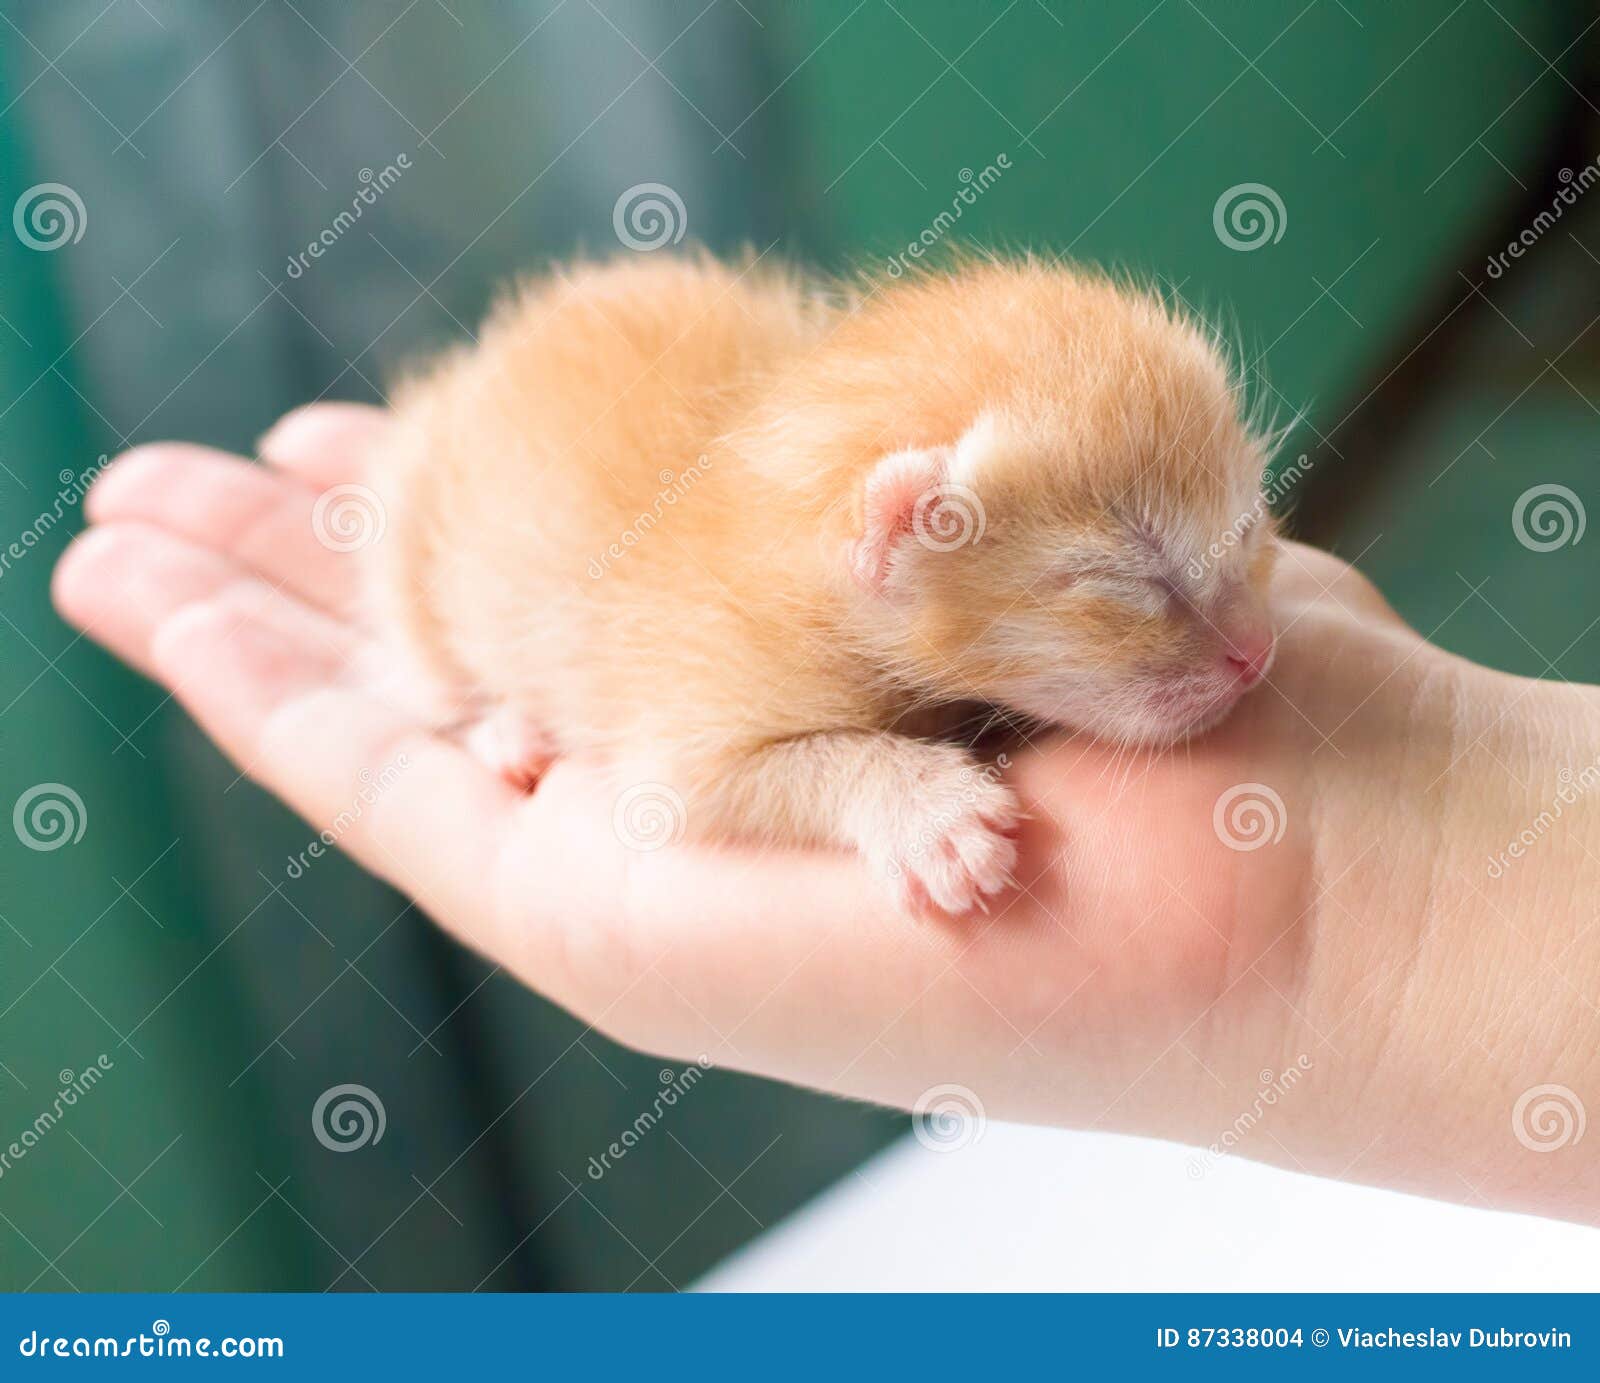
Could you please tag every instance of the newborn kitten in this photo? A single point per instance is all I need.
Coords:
(739, 539)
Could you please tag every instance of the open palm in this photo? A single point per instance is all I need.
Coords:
(1150, 946)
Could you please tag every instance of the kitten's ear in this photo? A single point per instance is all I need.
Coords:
(897, 484)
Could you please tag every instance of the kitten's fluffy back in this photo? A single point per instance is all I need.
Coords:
(564, 534)
(625, 513)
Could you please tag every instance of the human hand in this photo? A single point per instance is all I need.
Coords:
(1160, 960)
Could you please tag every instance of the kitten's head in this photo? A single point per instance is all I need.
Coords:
(1091, 547)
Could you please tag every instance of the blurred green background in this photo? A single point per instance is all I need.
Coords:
(205, 144)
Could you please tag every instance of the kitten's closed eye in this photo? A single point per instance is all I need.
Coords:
(1114, 579)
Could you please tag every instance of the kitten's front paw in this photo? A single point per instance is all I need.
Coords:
(956, 852)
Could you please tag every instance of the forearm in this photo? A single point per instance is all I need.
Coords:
(1456, 966)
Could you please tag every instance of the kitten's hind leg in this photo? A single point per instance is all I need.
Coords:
(514, 745)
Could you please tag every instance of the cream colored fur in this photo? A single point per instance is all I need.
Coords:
(704, 520)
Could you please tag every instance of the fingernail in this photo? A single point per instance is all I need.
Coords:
(115, 477)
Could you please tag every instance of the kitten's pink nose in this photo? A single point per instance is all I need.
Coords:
(1247, 656)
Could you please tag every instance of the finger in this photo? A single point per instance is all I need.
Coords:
(120, 583)
(264, 521)
(419, 812)
(267, 678)
(325, 443)
(1312, 574)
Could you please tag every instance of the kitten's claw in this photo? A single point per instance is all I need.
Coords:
(955, 860)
